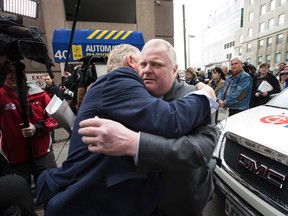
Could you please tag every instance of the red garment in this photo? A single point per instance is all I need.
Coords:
(10, 120)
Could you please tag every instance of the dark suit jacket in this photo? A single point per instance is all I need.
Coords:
(185, 164)
(95, 184)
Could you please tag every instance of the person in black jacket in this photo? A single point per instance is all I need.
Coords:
(260, 94)
(191, 76)
(51, 89)
(15, 195)
(113, 185)
(185, 164)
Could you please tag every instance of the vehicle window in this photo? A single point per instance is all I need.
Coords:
(280, 100)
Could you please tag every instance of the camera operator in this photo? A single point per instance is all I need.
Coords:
(69, 86)
(76, 84)
(27, 149)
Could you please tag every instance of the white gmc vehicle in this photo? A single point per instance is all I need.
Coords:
(253, 150)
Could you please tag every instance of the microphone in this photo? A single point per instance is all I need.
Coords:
(12, 189)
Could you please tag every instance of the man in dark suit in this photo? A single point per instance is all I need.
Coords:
(184, 164)
(95, 184)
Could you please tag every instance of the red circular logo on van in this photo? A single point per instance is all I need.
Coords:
(275, 119)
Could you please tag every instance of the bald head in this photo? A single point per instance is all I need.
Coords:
(236, 65)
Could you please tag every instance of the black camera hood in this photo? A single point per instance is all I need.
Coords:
(18, 42)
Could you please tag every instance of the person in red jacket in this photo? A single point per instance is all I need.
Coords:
(27, 149)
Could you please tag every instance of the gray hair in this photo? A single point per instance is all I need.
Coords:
(118, 56)
(237, 58)
(171, 53)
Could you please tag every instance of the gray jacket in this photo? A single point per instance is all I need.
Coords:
(184, 164)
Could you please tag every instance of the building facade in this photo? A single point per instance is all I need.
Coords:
(256, 30)
(153, 18)
(263, 37)
(219, 35)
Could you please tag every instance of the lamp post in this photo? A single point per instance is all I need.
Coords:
(189, 36)
(184, 36)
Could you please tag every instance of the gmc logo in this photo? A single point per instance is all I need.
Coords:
(261, 170)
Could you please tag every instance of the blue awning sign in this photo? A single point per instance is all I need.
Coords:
(91, 42)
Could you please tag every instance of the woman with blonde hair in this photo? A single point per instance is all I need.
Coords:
(191, 76)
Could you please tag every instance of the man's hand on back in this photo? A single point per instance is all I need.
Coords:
(108, 137)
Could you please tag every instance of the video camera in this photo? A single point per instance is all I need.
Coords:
(18, 42)
(88, 71)
(82, 76)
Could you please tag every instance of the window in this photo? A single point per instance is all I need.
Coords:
(269, 42)
(259, 60)
(286, 56)
(261, 43)
(281, 19)
(241, 38)
(240, 51)
(282, 2)
(248, 60)
(279, 39)
(272, 5)
(263, 9)
(249, 47)
(250, 31)
(270, 23)
(26, 8)
(250, 18)
(268, 58)
(277, 57)
(262, 27)
(229, 56)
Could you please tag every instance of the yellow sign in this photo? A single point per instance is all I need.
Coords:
(77, 52)
(109, 35)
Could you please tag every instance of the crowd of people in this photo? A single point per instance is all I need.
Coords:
(143, 139)
(243, 86)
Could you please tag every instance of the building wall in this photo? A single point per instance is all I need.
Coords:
(222, 20)
(257, 52)
(219, 37)
(153, 18)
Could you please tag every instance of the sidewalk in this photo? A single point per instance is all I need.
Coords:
(60, 151)
(61, 146)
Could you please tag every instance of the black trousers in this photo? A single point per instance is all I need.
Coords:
(36, 167)
(158, 212)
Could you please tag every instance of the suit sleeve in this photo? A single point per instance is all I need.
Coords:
(192, 151)
(129, 103)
